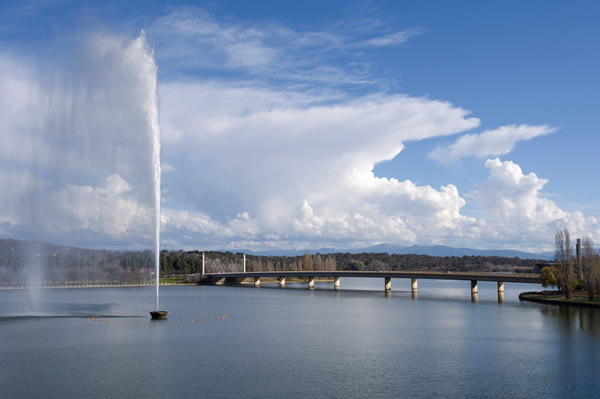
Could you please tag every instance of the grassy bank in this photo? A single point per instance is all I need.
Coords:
(556, 298)
(172, 280)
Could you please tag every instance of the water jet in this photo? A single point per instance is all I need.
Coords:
(155, 127)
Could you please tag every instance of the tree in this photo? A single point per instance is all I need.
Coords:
(330, 264)
(357, 265)
(307, 262)
(589, 263)
(318, 262)
(548, 276)
(563, 255)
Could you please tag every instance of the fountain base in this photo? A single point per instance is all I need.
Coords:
(159, 314)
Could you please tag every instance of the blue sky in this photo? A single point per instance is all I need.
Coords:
(477, 119)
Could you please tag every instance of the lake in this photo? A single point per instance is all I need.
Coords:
(233, 342)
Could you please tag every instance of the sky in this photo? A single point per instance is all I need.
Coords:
(300, 125)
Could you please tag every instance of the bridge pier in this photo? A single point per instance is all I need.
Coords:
(500, 286)
(473, 286)
(220, 281)
(388, 283)
(282, 282)
(242, 281)
(413, 284)
(474, 296)
(311, 282)
(336, 283)
(257, 282)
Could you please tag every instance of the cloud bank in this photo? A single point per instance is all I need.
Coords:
(302, 170)
(249, 162)
(517, 212)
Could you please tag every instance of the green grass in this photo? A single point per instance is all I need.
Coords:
(172, 280)
(558, 299)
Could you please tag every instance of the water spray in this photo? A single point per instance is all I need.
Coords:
(155, 132)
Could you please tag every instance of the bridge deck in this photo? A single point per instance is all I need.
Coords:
(502, 277)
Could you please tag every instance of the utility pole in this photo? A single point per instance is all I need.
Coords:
(578, 259)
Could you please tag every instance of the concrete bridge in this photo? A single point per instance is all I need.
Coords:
(281, 276)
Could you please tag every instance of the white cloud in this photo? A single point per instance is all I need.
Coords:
(392, 39)
(495, 142)
(192, 39)
(247, 164)
(303, 169)
(517, 212)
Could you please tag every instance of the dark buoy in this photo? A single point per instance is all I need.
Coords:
(159, 314)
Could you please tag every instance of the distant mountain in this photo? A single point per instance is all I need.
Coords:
(432, 250)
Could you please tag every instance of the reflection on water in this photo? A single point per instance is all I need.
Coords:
(574, 317)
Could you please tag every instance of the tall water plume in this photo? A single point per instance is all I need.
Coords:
(149, 72)
(80, 147)
(153, 117)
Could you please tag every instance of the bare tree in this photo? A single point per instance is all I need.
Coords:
(307, 262)
(330, 264)
(563, 256)
(318, 264)
(589, 263)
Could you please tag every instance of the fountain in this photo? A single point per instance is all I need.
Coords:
(153, 118)
(86, 155)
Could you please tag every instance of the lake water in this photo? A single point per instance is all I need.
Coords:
(234, 342)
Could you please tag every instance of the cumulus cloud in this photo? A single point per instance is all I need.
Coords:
(303, 169)
(247, 163)
(516, 211)
(499, 141)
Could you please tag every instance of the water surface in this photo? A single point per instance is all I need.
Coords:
(224, 342)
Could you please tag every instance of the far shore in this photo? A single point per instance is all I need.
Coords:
(107, 285)
(150, 284)
(556, 298)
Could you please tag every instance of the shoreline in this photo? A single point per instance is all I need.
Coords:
(554, 298)
(61, 286)
(137, 285)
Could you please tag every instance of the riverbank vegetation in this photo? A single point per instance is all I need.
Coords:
(576, 274)
(25, 262)
(558, 298)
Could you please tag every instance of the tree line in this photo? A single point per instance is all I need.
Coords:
(573, 272)
(20, 261)
(189, 262)
(27, 262)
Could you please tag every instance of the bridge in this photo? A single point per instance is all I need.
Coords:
(280, 277)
